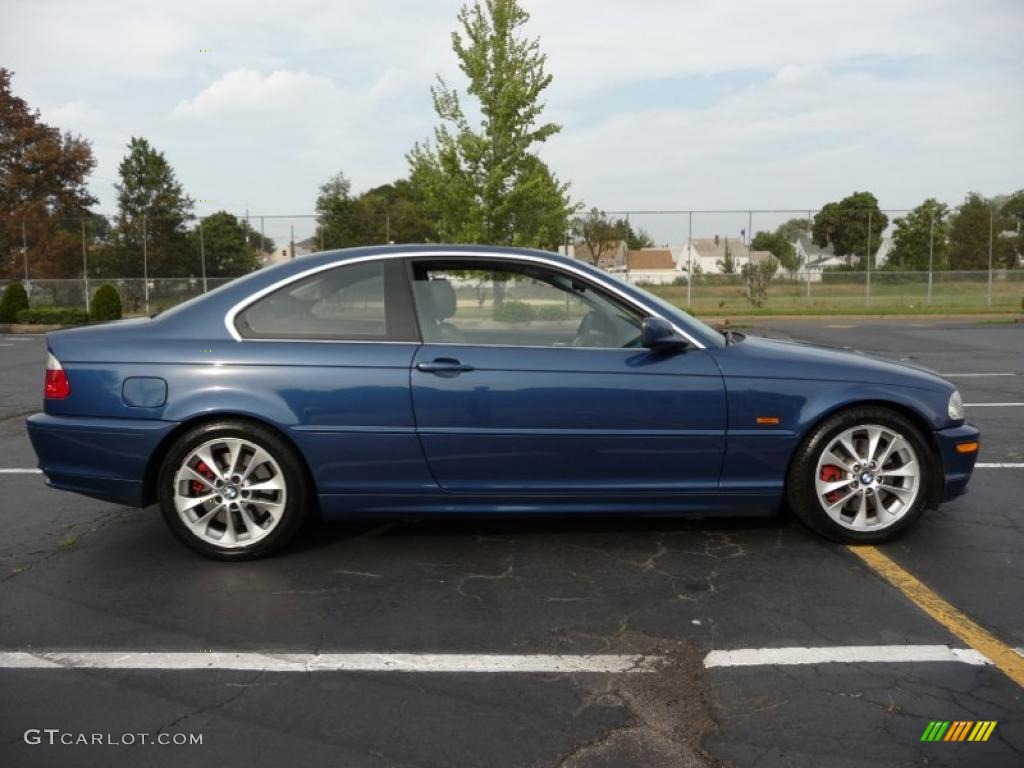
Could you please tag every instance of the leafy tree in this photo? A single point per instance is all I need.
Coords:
(758, 276)
(635, 238)
(149, 188)
(43, 185)
(598, 233)
(487, 184)
(779, 246)
(969, 232)
(845, 226)
(106, 303)
(228, 254)
(791, 229)
(13, 300)
(927, 226)
(727, 264)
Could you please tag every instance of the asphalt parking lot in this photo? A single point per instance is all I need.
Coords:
(78, 575)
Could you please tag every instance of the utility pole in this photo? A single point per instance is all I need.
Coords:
(145, 262)
(202, 246)
(689, 254)
(991, 217)
(24, 250)
(867, 255)
(85, 267)
(931, 255)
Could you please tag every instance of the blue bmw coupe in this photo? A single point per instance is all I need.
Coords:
(419, 380)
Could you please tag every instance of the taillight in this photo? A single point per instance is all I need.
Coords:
(56, 386)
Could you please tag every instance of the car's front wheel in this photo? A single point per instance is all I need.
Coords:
(232, 490)
(862, 476)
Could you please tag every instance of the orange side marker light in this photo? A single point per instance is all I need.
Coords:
(769, 420)
(971, 447)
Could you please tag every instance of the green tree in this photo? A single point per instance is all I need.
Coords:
(599, 234)
(224, 243)
(727, 264)
(794, 228)
(149, 188)
(636, 239)
(923, 229)
(779, 246)
(487, 184)
(969, 232)
(106, 303)
(43, 187)
(844, 225)
(13, 299)
(758, 275)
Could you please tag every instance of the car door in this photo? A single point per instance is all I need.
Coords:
(531, 379)
(327, 356)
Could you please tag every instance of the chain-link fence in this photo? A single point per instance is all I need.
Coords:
(704, 260)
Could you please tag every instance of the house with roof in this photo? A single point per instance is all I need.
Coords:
(814, 260)
(706, 253)
(612, 255)
(652, 265)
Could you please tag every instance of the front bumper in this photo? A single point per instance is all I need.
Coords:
(103, 458)
(956, 467)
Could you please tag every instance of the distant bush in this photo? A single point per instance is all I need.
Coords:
(53, 316)
(552, 312)
(514, 312)
(106, 304)
(13, 301)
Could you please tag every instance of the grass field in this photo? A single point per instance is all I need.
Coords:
(890, 293)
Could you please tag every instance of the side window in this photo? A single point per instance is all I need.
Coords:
(467, 302)
(357, 302)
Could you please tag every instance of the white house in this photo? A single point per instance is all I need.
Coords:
(707, 252)
(652, 265)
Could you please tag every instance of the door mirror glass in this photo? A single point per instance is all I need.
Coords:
(658, 335)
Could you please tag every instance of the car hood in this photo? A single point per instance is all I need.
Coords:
(772, 358)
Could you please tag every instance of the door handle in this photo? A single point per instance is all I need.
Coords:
(444, 366)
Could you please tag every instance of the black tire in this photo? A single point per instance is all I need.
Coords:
(801, 493)
(292, 468)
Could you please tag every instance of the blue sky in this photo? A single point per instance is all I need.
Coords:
(665, 104)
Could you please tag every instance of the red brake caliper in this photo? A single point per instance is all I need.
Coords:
(830, 473)
(202, 469)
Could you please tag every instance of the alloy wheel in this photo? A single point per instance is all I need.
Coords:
(230, 492)
(868, 477)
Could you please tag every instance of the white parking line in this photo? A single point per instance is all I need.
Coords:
(993, 405)
(17, 471)
(332, 662)
(999, 465)
(478, 663)
(848, 654)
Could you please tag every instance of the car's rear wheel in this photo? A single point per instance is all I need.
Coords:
(232, 490)
(862, 476)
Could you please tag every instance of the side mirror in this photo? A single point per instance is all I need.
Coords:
(658, 335)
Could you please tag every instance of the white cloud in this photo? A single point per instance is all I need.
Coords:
(246, 91)
(73, 116)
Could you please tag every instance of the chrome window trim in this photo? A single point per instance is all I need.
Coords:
(229, 318)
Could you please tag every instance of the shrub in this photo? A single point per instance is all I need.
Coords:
(552, 312)
(106, 304)
(13, 301)
(53, 316)
(514, 312)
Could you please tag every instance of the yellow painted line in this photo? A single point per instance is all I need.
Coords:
(957, 622)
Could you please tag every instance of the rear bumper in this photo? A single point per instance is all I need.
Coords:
(956, 467)
(103, 458)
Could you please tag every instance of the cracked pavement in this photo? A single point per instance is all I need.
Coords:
(672, 587)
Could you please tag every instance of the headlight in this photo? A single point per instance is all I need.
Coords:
(956, 407)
